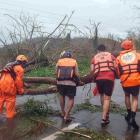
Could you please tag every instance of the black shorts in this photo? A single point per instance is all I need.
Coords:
(105, 87)
(134, 91)
(66, 90)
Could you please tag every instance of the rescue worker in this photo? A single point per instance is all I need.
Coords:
(129, 71)
(67, 79)
(103, 68)
(11, 83)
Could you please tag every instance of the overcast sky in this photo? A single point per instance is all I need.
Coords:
(116, 16)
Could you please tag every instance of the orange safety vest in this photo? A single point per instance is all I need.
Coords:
(129, 68)
(66, 69)
(103, 62)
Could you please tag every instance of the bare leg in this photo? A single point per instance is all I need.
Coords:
(62, 104)
(128, 107)
(127, 101)
(70, 104)
(133, 114)
(102, 99)
(106, 104)
(134, 103)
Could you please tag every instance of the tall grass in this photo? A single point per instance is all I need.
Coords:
(83, 66)
(43, 71)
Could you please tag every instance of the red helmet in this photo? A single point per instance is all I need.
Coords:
(127, 44)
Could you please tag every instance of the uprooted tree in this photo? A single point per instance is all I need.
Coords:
(26, 35)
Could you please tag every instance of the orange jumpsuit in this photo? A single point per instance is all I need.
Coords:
(9, 88)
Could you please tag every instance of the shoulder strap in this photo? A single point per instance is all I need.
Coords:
(9, 68)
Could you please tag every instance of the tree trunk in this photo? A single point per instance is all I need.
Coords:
(52, 81)
(50, 90)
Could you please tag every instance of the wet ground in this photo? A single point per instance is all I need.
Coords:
(117, 127)
(86, 119)
(83, 93)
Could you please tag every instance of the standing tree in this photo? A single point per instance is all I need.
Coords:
(93, 34)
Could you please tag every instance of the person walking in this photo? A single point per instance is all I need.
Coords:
(103, 68)
(67, 79)
(11, 83)
(129, 71)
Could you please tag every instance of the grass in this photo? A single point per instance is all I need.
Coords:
(94, 135)
(83, 66)
(114, 108)
(42, 71)
(35, 108)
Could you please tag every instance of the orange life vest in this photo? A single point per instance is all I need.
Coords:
(129, 67)
(66, 69)
(103, 62)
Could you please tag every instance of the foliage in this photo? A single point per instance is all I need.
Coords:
(35, 108)
(114, 108)
(87, 106)
(93, 134)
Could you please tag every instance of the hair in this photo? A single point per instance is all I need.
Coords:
(101, 47)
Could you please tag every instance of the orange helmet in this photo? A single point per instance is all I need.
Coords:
(127, 44)
(22, 58)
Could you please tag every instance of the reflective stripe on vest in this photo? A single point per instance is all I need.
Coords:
(103, 62)
(65, 69)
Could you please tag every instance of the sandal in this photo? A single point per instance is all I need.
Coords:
(104, 122)
(61, 115)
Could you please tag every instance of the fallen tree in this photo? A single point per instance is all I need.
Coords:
(49, 90)
(52, 81)
(41, 80)
(49, 80)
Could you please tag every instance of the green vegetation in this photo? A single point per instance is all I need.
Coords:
(29, 122)
(35, 108)
(114, 108)
(42, 71)
(83, 65)
(94, 135)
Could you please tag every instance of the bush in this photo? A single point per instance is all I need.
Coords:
(35, 108)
